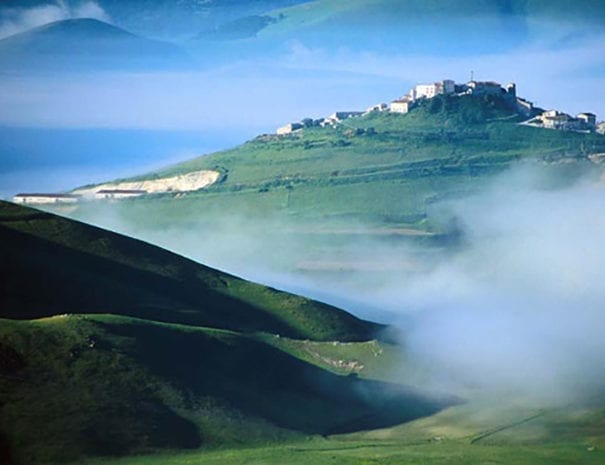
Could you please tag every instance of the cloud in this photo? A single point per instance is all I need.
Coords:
(548, 75)
(90, 9)
(16, 20)
(518, 309)
(304, 82)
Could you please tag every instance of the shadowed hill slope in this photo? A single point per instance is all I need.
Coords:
(98, 385)
(91, 380)
(53, 265)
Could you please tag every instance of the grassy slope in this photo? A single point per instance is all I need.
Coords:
(77, 268)
(75, 385)
(525, 436)
(381, 169)
(328, 177)
(334, 452)
(80, 385)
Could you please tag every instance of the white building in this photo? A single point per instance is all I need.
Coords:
(288, 128)
(601, 127)
(401, 105)
(45, 198)
(342, 115)
(377, 107)
(554, 119)
(447, 86)
(105, 194)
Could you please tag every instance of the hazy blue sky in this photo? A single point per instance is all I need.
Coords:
(340, 60)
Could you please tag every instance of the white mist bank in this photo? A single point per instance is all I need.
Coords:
(522, 306)
(518, 308)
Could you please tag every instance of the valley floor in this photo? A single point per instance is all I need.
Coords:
(343, 452)
(474, 433)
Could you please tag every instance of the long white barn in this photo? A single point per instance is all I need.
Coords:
(39, 198)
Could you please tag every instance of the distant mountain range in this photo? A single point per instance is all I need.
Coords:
(85, 44)
(162, 18)
(412, 26)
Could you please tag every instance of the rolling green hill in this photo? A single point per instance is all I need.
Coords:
(76, 268)
(379, 177)
(110, 346)
(449, 146)
(150, 352)
(79, 385)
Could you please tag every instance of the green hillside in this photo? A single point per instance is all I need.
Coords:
(151, 353)
(381, 170)
(457, 140)
(76, 268)
(110, 346)
(76, 385)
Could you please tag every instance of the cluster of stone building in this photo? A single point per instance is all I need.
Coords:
(331, 120)
(551, 119)
(448, 87)
(554, 119)
(53, 198)
(421, 91)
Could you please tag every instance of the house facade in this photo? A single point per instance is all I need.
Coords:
(288, 128)
(342, 115)
(377, 107)
(401, 105)
(554, 119)
(447, 86)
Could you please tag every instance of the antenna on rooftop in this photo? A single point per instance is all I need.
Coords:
(472, 75)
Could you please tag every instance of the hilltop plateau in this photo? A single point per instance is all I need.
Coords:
(381, 175)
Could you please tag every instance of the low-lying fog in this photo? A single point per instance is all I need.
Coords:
(518, 306)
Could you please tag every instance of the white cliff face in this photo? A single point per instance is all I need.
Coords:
(180, 183)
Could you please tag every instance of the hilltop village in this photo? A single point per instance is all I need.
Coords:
(535, 116)
(531, 114)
